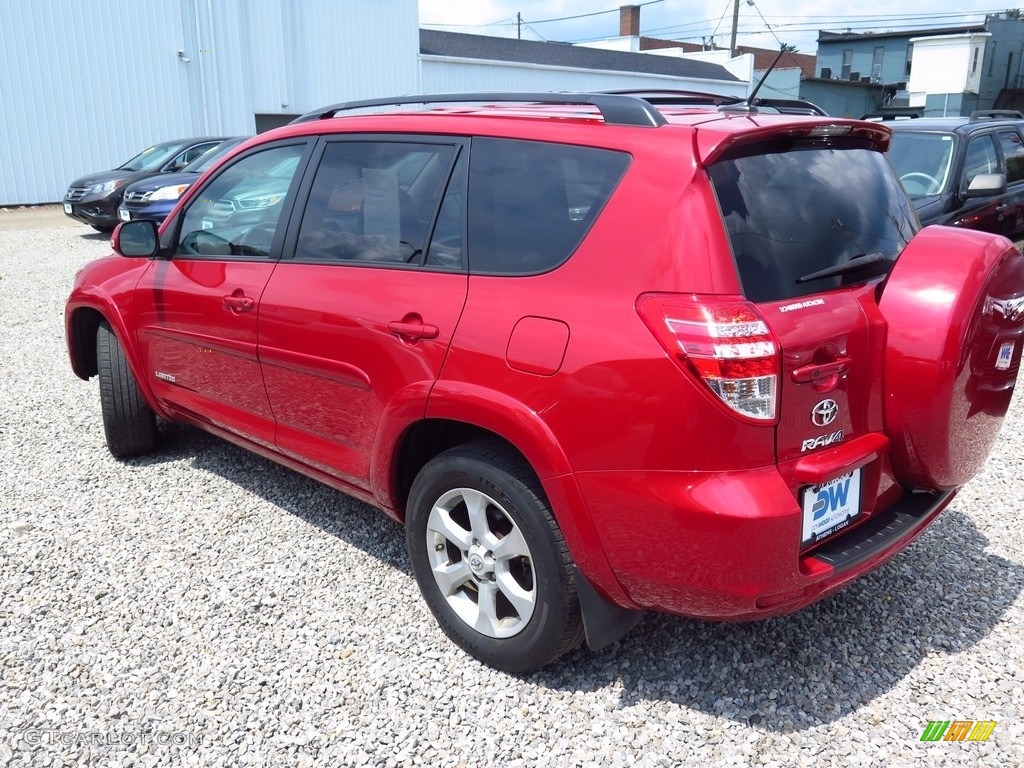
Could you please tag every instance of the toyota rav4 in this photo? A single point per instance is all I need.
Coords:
(600, 354)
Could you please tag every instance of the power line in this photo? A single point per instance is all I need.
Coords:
(592, 13)
(537, 21)
(697, 30)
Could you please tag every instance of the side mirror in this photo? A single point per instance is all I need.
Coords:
(136, 239)
(985, 184)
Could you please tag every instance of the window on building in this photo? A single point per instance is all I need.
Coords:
(876, 62)
(910, 59)
(974, 60)
(847, 63)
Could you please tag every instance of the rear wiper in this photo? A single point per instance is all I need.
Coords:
(857, 262)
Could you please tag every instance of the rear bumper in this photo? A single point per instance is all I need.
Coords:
(727, 545)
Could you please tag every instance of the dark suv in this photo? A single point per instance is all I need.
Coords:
(964, 172)
(599, 356)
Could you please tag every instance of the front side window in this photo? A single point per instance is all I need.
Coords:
(793, 209)
(237, 214)
(190, 154)
(374, 202)
(531, 203)
(981, 158)
(1013, 155)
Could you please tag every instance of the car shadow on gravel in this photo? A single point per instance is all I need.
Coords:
(99, 237)
(942, 595)
(332, 511)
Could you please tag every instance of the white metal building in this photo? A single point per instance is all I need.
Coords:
(84, 86)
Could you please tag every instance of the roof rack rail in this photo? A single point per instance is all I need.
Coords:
(996, 114)
(668, 96)
(616, 109)
(881, 117)
(792, 106)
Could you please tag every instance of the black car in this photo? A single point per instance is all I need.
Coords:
(93, 199)
(964, 171)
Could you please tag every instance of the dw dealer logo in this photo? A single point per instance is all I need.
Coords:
(958, 730)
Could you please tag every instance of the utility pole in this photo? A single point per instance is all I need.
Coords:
(519, 24)
(735, 24)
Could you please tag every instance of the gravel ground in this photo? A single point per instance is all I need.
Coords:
(204, 607)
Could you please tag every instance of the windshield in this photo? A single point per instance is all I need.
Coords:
(152, 158)
(922, 161)
(792, 211)
(212, 155)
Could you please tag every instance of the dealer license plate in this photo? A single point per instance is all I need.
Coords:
(67, 207)
(830, 507)
(123, 214)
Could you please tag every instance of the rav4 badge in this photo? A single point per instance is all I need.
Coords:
(821, 441)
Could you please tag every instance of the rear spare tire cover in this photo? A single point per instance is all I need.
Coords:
(952, 304)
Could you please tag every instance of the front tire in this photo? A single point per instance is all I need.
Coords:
(490, 559)
(128, 422)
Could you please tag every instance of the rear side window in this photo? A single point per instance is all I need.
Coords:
(373, 202)
(793, 210)
(531, 203)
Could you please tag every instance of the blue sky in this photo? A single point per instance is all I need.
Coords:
(763, 23)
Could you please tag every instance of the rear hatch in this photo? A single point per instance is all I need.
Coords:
(812, 221)
(816, 221)
(897, 351)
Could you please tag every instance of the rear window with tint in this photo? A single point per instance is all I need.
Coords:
(531, 203)
(792, 210)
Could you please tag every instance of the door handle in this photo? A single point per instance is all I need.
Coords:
(239, 303)
(823, 376)
(413, 331)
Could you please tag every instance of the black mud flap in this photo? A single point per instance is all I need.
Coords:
(603, 621)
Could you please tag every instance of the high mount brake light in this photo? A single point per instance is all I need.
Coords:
(725, 342)
(830, 130)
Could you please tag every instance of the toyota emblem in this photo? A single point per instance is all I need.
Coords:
(824, 413)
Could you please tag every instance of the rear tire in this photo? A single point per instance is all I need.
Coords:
(490, 559)
(128, 422)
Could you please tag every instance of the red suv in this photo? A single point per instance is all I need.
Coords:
(600, 356)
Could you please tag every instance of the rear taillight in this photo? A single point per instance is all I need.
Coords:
(722, 340)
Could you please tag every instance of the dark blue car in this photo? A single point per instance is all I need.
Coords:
(155, 197)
